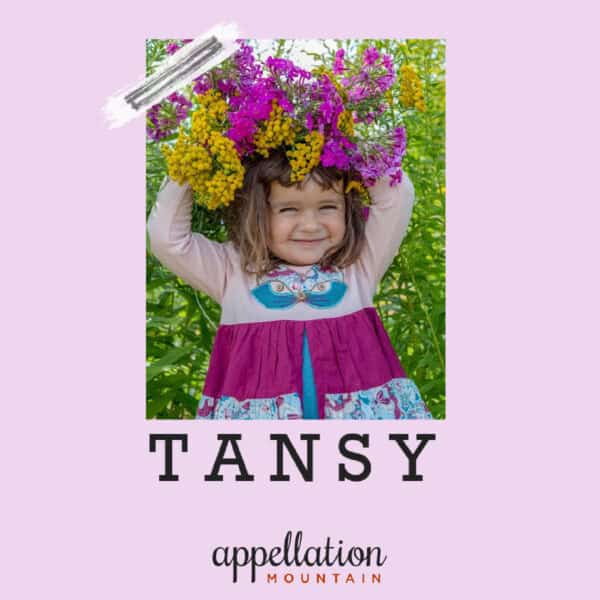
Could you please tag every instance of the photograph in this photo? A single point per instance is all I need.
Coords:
(316, 358)
(295, 206)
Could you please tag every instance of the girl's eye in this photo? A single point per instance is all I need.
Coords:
(288, 209)
(329, 207)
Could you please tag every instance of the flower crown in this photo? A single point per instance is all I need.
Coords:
(243, 110)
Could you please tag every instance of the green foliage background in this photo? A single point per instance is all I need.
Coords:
(181, 322)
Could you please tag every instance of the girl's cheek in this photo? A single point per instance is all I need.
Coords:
(280, 227)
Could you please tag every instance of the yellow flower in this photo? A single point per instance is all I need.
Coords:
(204, 157)
(355, 185)
(305, 156)
(277, 131)
(346, 123)
(411, 89)
(200, 126)
(214, 104)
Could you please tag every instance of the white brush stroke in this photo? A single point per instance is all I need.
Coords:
(117, 111)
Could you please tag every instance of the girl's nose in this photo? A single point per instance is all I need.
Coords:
(310, 221)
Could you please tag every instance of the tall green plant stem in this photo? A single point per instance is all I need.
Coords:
(426, 311)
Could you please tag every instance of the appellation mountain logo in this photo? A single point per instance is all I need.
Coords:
(329, 563)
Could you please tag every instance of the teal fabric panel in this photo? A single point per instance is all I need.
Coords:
(309, 391)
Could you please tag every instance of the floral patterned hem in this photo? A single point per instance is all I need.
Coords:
(397, 399)
(286, 406)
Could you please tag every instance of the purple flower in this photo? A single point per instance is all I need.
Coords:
(400, 140)
(370, 56)
(363, 76)
(334, 156)
(337, 152)
(178, 98)
(378, 160)
(338, 64)
(286, 68)
(202, 84)
(172, 47)
(330, 105)
(248, 70)
(227, 87)
(283, 101)
(357, 94)
(163, 118)
(385, 82)
(242, 130)
(396, 177)
(369, 170)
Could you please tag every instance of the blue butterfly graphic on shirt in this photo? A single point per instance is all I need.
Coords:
(278, 293)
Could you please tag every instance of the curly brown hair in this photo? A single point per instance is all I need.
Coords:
(247, 219)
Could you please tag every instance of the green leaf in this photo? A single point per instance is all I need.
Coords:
(167, 361)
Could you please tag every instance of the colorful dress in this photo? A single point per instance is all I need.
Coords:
(300, 342)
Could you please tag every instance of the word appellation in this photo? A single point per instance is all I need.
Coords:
(230, 453)
(292, 554)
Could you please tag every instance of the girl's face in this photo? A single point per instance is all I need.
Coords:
(305, 223)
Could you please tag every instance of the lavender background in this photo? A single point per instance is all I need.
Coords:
(505, 509)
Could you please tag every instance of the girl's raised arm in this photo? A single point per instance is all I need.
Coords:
(389, 215)
(200, 262)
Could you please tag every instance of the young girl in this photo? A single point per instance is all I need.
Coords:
(299, 336)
